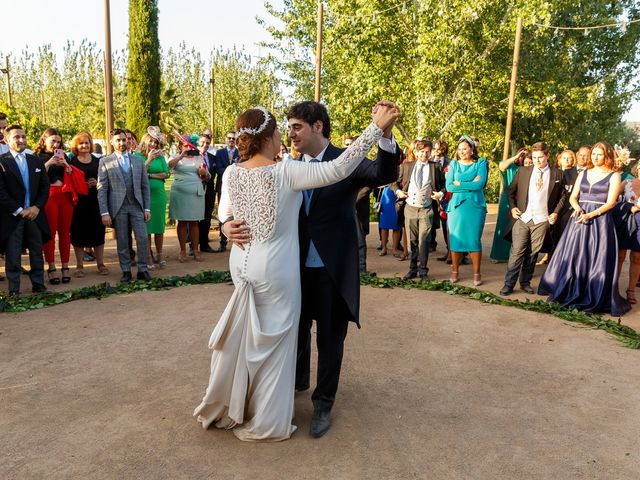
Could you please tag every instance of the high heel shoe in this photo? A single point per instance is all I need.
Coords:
(477, 279)
(454, 276)
(183, 257)
(631, 296)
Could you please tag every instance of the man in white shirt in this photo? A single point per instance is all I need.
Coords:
(536, 195)
(4, 148)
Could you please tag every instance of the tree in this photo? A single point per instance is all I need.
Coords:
(448, 64)
(143, 68)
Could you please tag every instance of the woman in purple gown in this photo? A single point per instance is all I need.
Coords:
(583, 271)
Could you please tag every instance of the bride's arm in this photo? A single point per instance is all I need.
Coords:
(302, 176)
(225, 212)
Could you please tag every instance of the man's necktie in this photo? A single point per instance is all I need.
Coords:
(308, 193)
(24, 173)
(125, 164)
(419, 169)
(539, 182)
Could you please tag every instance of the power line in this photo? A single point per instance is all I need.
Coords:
(623, 24)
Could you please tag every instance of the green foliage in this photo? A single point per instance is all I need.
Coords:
(143, 69)
(448, 65)
(623, 333)
(32, 302)
(71, 89)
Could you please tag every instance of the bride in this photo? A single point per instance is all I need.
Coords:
(251, 386)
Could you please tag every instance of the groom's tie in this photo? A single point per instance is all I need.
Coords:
(308, 193)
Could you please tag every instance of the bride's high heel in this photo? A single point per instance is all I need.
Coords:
(454, 276)
(477, 279)
(631, 296)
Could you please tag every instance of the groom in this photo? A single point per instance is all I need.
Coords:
(329, 252)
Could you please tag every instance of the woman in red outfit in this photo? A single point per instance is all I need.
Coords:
(59, 206)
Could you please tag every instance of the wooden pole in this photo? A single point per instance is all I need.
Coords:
(8, 74)
(512, 90)
(319, 50)
(212, 121)
(108, 77)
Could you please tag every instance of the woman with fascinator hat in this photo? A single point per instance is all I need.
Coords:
(251, 387)
(186, 198)
(467, 209)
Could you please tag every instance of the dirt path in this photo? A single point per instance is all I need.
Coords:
(433, 387)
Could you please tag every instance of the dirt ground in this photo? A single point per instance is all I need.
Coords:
(433, 387)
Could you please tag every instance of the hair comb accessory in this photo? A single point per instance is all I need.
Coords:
(260, 129)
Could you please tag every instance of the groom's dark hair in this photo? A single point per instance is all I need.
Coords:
(311, 112)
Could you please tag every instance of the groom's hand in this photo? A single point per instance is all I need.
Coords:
(237, 232)
(392, 107)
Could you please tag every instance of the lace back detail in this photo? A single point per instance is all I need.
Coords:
(254, 199)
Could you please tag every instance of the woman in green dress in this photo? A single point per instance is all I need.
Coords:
(467, 208)
(186, 199)
(501, 247)
(157, 171)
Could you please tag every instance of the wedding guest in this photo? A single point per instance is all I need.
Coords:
(283, 154)
(627, 219)
(59, 206)
(583, 155)
(209, 160)
(224, 157)
(467, 208)
(87, 230)
(536, 195)
(567, 165)
(186, 198)
(422, 183)
(405, 167)
(389, 222)
(123, 196)
(4, 148)
(24, 188)
(501, 247)
(132, 141)
(151, 153)
(583, 272)
(440, 156)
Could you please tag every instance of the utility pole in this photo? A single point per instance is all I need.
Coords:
(108, 77)
(319, 50)
(7, 72)
(212, 120)
(43, 106)
(512, 90)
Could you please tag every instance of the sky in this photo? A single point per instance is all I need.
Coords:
(201, 24)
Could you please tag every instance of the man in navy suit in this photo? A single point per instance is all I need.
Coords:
(24, 190)
(329, 262)
(225, 157)
(209, 193)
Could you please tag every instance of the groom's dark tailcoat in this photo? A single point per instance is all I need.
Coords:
(331, 294)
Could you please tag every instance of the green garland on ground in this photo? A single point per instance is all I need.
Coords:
(626, 335)
(31, 302)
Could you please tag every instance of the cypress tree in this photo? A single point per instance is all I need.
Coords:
(143, 68)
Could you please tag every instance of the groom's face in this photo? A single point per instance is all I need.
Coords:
(306, 138)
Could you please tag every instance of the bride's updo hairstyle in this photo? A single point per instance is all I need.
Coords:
(254, 128)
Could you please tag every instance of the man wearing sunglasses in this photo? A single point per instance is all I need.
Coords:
(225, 157)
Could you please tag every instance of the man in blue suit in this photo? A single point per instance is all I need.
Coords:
(225, 157)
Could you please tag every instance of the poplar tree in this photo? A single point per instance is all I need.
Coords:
(143, 68)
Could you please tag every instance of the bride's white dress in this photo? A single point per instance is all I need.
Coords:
(251, 387)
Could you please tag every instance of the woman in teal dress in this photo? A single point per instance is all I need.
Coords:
(501, 248)
(467, 208)
(186, 198)
(157, 171)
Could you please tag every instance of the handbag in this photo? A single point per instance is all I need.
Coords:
(377, 206)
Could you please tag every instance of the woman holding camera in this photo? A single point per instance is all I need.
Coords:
(59, 206)
(186, 198)
(149, 149)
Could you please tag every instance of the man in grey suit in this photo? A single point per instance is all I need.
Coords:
(123, 196)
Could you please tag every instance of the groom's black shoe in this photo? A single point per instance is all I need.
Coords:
(320, 423)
